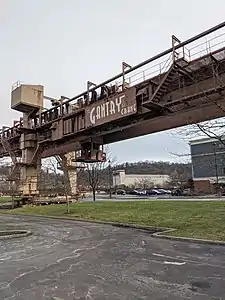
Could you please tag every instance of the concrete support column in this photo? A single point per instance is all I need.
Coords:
(28, 180)
(28, 171)
(72, 171)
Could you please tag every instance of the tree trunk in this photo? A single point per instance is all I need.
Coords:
(67, 204)
(66, 186)
(12, 194)
(94, 196)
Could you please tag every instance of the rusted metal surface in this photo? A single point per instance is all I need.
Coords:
(156, 57)
(111, 109)
(156, 100)
(166, 122)
(58, 149)
(141, 124)
(186, 87)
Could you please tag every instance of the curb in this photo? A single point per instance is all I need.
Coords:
(156, 232)
(12, 234)
(185, 239)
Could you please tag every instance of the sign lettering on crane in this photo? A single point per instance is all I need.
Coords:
(104, 111)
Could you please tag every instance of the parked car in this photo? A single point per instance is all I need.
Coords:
(139, 192)
(176, 192)
(154, 192)
(119, 192)
(164, 191)
(181, 192)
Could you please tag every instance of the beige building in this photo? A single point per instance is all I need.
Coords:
(154, 180)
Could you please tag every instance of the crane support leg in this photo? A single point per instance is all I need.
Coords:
(72, 172)
(28, 168)
(28, 180)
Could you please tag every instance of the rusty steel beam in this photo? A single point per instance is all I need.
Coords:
(168, 51)
(202, 108)
(140, 129)
(166, 122)
(154, 125)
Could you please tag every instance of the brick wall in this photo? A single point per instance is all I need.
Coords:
(203, 187)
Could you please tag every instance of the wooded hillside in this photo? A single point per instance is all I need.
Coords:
(155, 167)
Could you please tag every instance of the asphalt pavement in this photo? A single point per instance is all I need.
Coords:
(105, 197)
(67, 260)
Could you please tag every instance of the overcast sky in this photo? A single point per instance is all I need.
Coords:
(62, 44)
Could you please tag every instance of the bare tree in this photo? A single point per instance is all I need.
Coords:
(144, 183)
(95, 174)
(51, 175)
(179, 178)
(5, 174)
(62, 164)
(9, 177)
(62, 160)
(214, 129)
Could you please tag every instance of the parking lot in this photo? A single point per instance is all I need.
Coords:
(105, 197)
(67, 260)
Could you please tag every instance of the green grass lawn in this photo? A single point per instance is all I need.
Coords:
(191, 219)
(5, 199)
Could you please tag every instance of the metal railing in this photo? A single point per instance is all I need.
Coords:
(194, 48)
(189, 53)
(192, 51)
(16, 85)
(211, 44)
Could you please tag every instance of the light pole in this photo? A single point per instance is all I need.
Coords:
(110, 178)
(216, 169)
